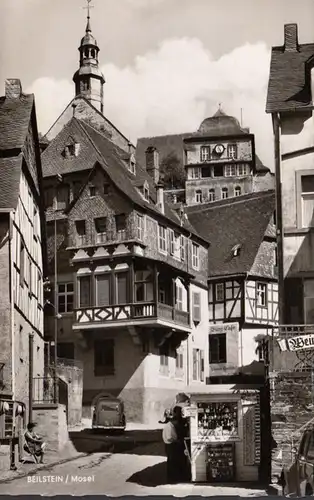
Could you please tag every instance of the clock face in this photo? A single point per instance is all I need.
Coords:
(219, 149)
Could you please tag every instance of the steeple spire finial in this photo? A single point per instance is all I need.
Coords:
(88, 28)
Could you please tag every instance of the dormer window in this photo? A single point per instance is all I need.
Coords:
(71, 149)
(146, 191)
(132, 164)
(92, 191)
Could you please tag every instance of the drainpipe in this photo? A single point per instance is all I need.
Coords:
(279, 221)
(12, 271)
(30, 375)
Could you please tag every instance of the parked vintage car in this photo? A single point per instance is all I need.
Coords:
(108, 413)
(298, 477)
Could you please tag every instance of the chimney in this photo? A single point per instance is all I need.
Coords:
(160, 197)
(152, 163)
(13, 88)
(291, 38)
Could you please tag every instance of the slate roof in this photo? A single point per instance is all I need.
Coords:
(217, 125)
(15, 115)
(112, 160)
(236, 221)
(10, 175)
(289, 85)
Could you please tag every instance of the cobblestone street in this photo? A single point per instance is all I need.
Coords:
(114, 475)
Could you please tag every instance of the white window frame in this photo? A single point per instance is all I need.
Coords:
(237, 191)
(224, 190)
(162, 239)
(179, 297)
(198, 196)
(65, 294)
(230, 170)
(243, 169)
(196, 305)
(220, 292)
(182, 247)
(211, 195)
(195, 256)
(199, 368)
(171, 242)
(232, 151)
(195, 173)
(261, 294)
(204, 153)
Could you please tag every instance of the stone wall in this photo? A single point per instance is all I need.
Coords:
(52, 425)
(72, 375)
(291, 400)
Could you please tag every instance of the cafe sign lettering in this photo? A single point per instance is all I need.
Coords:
(300, 343)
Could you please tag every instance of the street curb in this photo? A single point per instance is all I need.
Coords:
(44, 467)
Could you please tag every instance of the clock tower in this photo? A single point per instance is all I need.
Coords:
(88, 79)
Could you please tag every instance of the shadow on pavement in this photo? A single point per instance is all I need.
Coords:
(153, 476)
(137, 442)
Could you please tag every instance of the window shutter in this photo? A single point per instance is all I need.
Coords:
(196, 300)
(103, 290)
(202, 366)
(194, 364)
(122, 281)
(85, 291)
(233, 347)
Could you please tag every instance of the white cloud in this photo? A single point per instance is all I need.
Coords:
(172, 89)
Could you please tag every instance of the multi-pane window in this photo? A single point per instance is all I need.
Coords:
(307, 200)
(243, 169)
(196, 306)
(85, 288)
(218, 171)
(224, 193)
(195, 256)
(81, 231)
(195, 173)
(104, 357)
(198, 365)
(217, 348)
(230, 170)
(211, 195)
(65, 297)
(205, 153)
(261, 294)
(237, 191)
(198, 196)
(122, 288)
(220, 292)
(146, 191)
(179, 298)
(139, 226)
(182, 248)
(103, 289)
(143, 282)
(120, 222)
(162, 239)
(232, 151)
(171, 242)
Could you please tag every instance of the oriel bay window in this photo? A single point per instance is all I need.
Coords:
(122, 288)
(85, 291)
(103, 289)
(144, 286)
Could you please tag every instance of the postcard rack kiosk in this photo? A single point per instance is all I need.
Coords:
(224, 437)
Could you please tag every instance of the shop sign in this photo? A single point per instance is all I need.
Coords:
(301, 343)
(224, 328)
(189, 411)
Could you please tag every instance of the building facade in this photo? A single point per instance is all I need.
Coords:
(22, 246)
(219, 161)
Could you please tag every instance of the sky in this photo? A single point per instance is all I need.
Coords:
(167, 63)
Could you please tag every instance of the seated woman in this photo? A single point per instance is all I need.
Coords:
(34, 444)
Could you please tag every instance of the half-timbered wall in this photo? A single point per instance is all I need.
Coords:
(225, 300)
(261, 302)
(27, 288)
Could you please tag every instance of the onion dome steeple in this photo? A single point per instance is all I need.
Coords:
(88, 79)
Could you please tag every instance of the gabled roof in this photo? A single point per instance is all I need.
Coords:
(289, 85)
(15, 115)
(96, 149)
(10, 176)
(241, 221)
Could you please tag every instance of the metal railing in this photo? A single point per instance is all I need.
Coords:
(44, 390)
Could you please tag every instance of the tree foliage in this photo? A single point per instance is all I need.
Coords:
(172, 172)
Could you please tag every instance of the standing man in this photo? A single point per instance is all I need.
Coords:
(173, 436)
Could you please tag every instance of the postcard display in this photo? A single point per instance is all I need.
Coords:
(225, 439)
